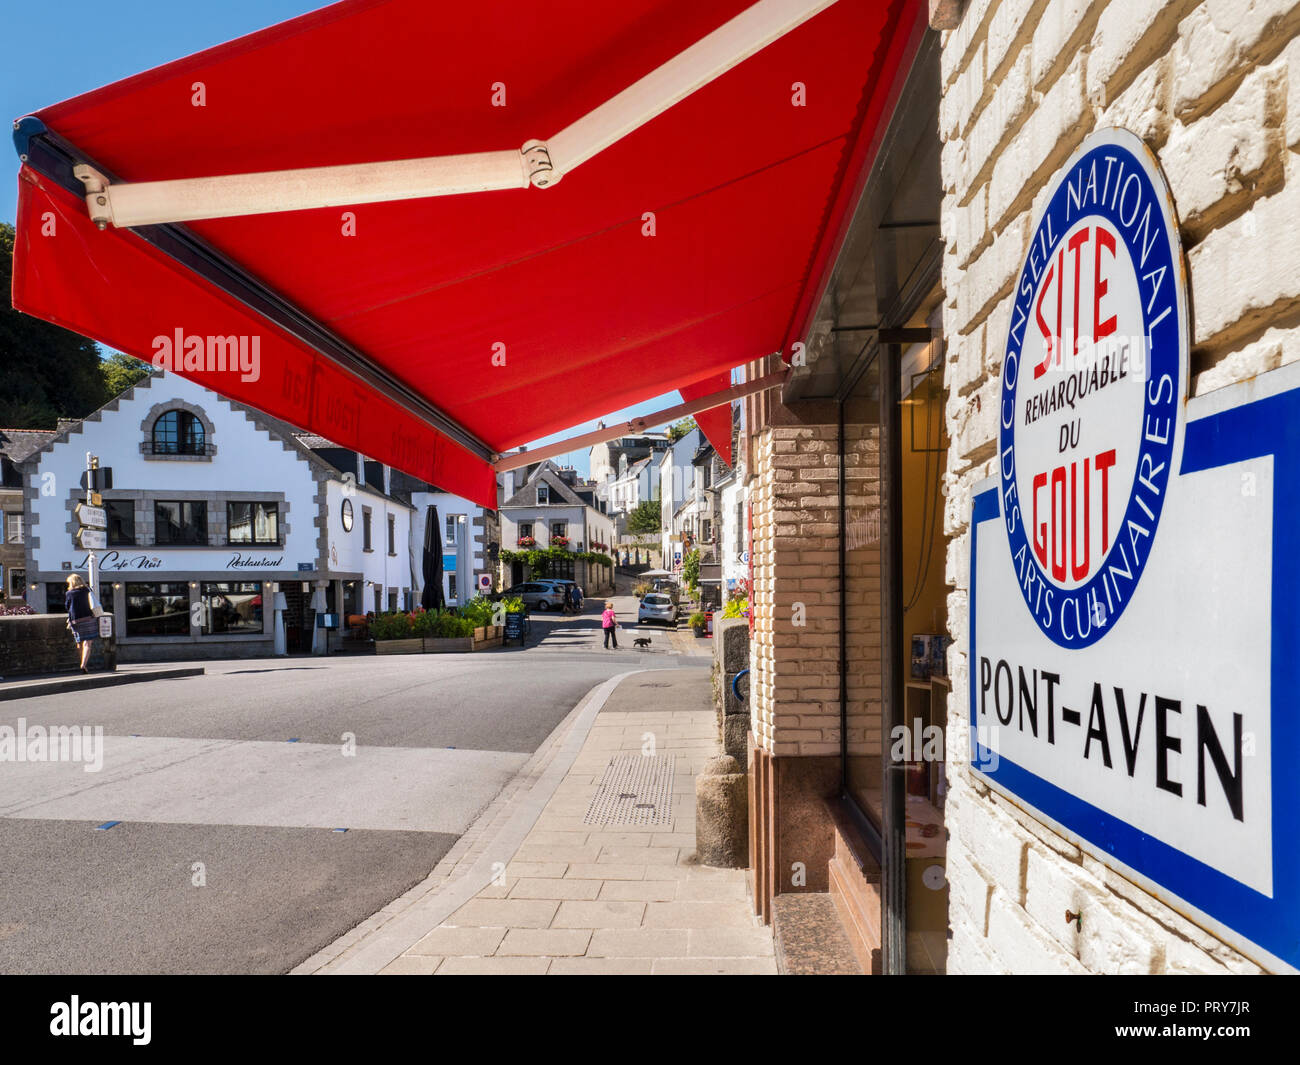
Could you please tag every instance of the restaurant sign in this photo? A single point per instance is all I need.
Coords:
(130, 561)
(1129, 594)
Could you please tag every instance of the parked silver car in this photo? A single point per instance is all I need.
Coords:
(657, 607)
(562, 582)
(537, 595)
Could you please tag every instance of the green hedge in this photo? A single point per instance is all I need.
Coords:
(434, 624)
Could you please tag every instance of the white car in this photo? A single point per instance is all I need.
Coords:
(656, 606)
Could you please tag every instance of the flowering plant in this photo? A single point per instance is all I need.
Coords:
(527, 541)
(559, 541)
(395, 626)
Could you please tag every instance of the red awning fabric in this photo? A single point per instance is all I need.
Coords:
(714, 423)
(517, 313)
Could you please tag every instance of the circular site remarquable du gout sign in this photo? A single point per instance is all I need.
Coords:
(1093, 385)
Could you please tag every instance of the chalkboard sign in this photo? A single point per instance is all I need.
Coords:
(515, 627)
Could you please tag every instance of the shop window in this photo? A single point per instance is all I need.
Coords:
(180, 521)
(121, 522)
(161, 609)
(178, 432)
(252, 523)
(231, 607)
(13, 527)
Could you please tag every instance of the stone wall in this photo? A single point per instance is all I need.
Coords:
(37, 643)
(1214, 89)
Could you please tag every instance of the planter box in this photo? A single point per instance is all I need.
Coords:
(484, 636)
(448, 644)
(399, 647)
(487, 636)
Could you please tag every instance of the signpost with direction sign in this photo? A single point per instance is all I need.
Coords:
(92, 536)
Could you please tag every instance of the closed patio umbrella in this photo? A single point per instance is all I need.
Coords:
(431, 597)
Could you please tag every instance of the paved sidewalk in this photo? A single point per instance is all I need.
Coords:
(536, 887)
(29, 687)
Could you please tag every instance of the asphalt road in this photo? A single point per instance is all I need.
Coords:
(230, 790)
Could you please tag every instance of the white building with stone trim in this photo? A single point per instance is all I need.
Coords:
(214, 509)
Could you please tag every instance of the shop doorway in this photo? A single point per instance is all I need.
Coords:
(299, 618)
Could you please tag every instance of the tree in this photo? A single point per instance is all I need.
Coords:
(646, 518)
(120, 372)
(691, 570)
(679, 429)
(46, 372)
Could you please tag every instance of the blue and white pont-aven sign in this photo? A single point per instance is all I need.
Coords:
(1134, 597)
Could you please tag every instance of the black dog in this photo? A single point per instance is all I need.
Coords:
(643, 641)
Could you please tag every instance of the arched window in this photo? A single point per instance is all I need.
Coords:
(178, 432)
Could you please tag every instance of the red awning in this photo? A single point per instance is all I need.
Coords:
(445, 329)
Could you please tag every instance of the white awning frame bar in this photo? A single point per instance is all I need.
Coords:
(540, 163)
(515, 459)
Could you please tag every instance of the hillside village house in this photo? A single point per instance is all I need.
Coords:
(677, 495)
(214, 508)
(625, 473)
(548, 506)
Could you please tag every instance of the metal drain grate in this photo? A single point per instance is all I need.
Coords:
(635, 790)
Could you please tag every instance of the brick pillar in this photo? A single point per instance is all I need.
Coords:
(794, 657)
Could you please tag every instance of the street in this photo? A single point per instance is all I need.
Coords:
(269, 806)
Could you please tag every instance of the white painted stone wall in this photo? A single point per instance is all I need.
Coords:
(245, 460)
(468, 547)
(347, 553)
(1214, 88)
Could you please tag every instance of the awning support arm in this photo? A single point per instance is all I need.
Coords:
(540, 163)
(516, 459)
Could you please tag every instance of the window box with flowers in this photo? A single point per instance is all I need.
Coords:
(559, 541)
(527, 541)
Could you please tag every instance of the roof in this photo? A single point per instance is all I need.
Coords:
(18, 445)
(28, 443)
(546, 473)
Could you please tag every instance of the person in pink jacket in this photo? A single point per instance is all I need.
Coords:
(609, 622)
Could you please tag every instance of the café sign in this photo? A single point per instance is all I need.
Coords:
(1130, 597)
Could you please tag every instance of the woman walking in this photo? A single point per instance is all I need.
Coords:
(609, 622)
(81, 617)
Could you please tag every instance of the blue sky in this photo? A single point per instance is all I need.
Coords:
(56, 50)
